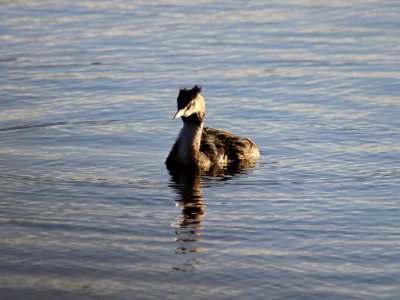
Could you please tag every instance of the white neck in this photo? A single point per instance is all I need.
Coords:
(189, 140)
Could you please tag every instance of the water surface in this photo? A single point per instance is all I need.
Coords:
(87, 93)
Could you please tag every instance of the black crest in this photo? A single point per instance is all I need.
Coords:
(186, 95)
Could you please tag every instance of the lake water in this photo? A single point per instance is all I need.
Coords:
(87, 94)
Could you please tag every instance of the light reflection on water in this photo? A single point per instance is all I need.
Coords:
(88, 210)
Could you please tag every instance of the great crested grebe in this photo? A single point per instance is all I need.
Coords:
(204, 147)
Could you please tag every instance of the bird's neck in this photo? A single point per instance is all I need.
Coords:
(190, 138)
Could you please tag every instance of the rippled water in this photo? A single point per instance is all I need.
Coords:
(88, 210)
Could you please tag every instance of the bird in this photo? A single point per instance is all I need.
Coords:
(204, 148)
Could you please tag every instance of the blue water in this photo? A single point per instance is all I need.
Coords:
(87, 94)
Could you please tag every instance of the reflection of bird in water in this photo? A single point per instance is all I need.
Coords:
(204, 148)
(189, 228)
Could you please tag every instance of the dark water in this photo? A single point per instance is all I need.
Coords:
(88, 90)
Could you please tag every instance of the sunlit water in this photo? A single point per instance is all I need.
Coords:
(88, 91)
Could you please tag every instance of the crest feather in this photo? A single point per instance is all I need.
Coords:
(186, 95)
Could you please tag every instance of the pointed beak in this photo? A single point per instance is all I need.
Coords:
(179, 113)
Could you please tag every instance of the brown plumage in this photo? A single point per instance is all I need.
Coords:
(204, 147)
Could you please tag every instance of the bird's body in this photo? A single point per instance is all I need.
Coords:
(204, 147)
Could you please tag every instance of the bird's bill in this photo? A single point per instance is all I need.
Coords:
(179, 113)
